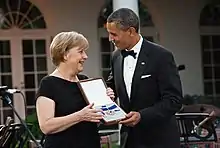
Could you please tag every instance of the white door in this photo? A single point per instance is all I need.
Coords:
(25, 60)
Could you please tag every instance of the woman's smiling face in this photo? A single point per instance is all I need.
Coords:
(75, 58)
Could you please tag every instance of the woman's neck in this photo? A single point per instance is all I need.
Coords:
(66, 74)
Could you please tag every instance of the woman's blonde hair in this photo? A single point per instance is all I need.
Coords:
(65, 41)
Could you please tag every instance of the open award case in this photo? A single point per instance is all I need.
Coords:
(94, 91)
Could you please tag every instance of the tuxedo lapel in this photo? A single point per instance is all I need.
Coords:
(142, 62)
(119, 69)
(120, 78)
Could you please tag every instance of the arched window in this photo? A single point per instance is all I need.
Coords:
(21, 14)
(210, 43)
(210, 15)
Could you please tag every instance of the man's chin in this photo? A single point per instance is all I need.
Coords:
(119, 47)
(80, 70)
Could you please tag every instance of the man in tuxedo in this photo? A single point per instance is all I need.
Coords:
(145, 78)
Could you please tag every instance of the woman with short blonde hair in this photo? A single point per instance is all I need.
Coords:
(63, 42)
(63, 115)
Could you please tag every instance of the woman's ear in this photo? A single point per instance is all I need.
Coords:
(65, 57)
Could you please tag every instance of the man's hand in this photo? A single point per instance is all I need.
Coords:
(131, 119)
(110, 93)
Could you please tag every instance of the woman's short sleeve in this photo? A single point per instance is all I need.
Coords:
(45, 88)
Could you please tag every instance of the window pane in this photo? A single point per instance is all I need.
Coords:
(210, 15)
(4, 26)
(205, 40)
(39, 77)
(26, 24)
(29, 81)
(41, 64)
(207, 57)
(34, 13)
(6, 80)
(106, 61)
(39, 23)
(28, 64)
(13, 5)
(4, 48)
(217, 72)
(40, 47)
(24, 7)
(7, 24)
(5, 64)
(30, 96)
(216, 42)
(8, 113)
(14, 15)
(27, 47)
(217, 87)
(105, 45)
(216, 55)
(3, 6)
(207, 72)
(208, 88)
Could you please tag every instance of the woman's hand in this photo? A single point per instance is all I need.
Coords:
(91, 115)
(110, 93)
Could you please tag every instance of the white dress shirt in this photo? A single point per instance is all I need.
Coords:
(129, 66)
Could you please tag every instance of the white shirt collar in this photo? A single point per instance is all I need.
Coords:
(137, 47)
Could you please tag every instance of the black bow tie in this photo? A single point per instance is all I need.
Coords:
(125, 53)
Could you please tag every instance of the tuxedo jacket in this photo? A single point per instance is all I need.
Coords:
(156, 94)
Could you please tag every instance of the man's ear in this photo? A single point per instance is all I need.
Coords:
(132, 31)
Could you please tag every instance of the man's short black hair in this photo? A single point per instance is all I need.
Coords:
(125, 18)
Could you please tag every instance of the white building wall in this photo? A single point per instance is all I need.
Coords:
(176, 20)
